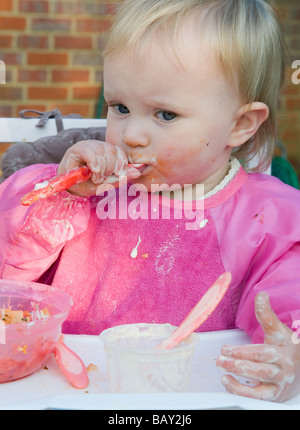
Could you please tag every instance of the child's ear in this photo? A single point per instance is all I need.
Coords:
(248, 120)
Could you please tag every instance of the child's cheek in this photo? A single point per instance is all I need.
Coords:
(175, 159)
(114, 136)
(167, 165)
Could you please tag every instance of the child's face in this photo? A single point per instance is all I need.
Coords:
(174, 116)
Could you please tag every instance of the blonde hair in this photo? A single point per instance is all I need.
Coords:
(249, 45)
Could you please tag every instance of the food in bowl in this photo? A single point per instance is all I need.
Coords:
(10, 316)
(30, 326)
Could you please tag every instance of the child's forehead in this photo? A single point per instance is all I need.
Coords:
(183, 62)
(189, 38)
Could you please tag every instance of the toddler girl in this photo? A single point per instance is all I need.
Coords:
(192, 89)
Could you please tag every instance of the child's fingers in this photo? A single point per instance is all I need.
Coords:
(263, 372)
(259, 353)
(268, 392)
(275, 331)
(107, 159)
(84, 189)
(80, 153)
(120, 161)
(102, 158)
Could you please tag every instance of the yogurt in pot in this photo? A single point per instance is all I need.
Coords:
(134, 366)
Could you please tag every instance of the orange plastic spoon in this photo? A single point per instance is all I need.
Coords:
(61, 183)
(199, 313)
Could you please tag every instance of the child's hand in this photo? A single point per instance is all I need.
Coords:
(274, 364)
(102, 158)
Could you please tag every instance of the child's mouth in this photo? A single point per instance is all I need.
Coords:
(142, 167)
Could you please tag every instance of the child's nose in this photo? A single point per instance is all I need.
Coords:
(136, 141)
(136, 136)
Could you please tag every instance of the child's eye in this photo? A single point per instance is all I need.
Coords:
(166, 115)
(122, 109)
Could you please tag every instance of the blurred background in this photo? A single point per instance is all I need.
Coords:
(52, 52)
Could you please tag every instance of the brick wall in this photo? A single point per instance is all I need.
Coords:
(52, 51)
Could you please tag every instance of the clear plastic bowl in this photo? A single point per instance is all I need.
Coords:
(25, 347)
(134, 366)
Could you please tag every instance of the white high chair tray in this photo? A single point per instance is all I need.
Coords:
(48, 388)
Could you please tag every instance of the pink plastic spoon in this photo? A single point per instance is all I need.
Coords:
(71, 365)
(199, 313)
